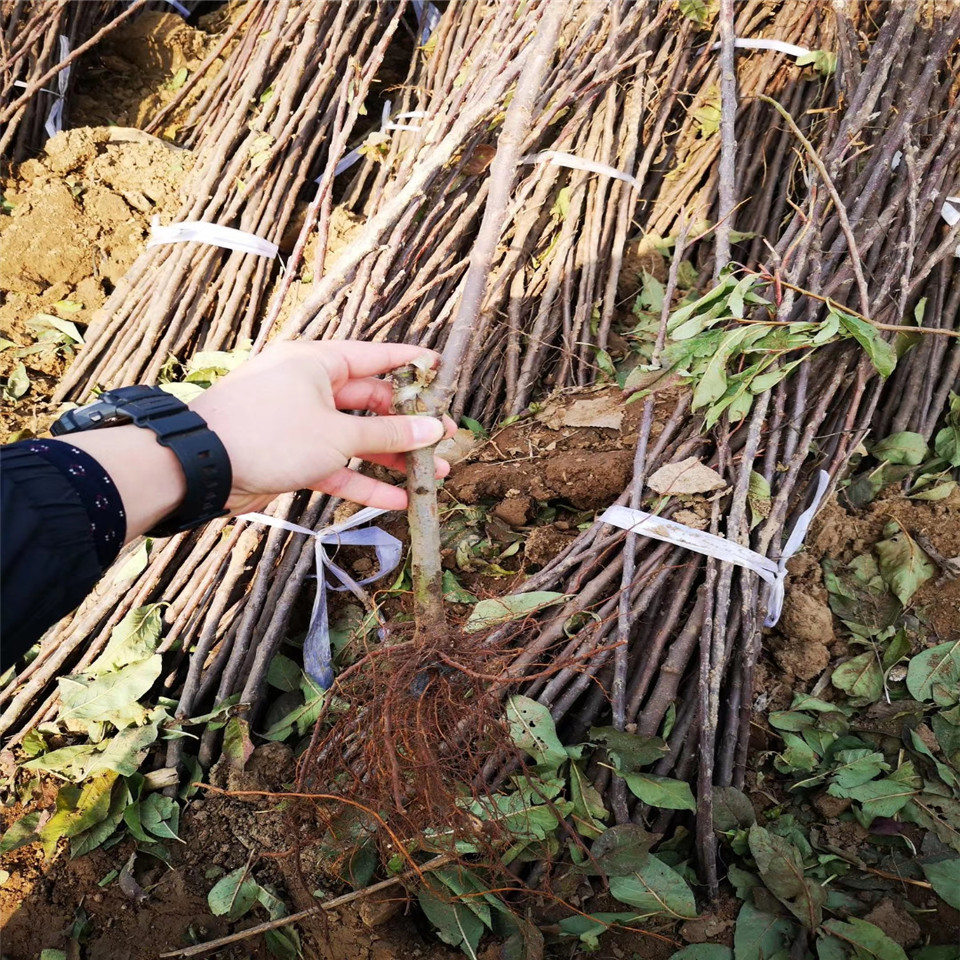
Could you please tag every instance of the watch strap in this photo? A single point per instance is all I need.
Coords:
(205, 465)
(200, 452)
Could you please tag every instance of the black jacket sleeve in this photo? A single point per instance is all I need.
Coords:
(62, 525)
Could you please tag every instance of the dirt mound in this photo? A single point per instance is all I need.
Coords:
(138, 69)
(76, 218)
(579, 448)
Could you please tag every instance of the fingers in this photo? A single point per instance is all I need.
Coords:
(352, 359)
(374, 436)
(354, 486)
(366, 394)
(397, 461)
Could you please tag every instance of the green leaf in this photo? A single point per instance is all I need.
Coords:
(588, 809)
(590, 927)
(791, 720)
(759, 935)
(96, 835)
(629, 751)
(274, 906)
(46, 321)
(823, 61)
(135, 638)
(18, 383)
(284, 942)
(453, 592)
(861, 677)
(654, 889)
(867, 940)
(73, 817)
(881, 353)
(160, 815)
(781, 869)
(233, 895)
(759, 498)
(934, 674)
(939, 492)
(497, 610)
(944, 877)
(67, 306)
(797, 755)
(948, 952)
(878, 798)
(619, 851)
(903, 565)
(661, 791)
(947, 444)
(702, 12)
(532, 730)
(703, 951)
(456, 924)
(20, 833)
(51, 953)
(906, 448)
(858, 766)
(362, 865)
(179, 78)
(301, 718)
(283, 673)
(732, 809)
(237, 745)
(109, 696)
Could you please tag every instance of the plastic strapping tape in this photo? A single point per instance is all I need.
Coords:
(578, 163)
(349, 159)
(317, 656)
(649, 525)
(54, 122)
(212, 233)
(778, 46)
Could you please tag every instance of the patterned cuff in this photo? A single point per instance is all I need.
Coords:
(97, 492)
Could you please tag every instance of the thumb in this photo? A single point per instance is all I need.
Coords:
(367, 436)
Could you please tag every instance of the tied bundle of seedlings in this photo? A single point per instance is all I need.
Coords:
(184, 571)
(278, 113)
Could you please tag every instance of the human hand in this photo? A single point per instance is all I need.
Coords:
(280, 418)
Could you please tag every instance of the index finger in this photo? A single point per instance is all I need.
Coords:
(353, 359)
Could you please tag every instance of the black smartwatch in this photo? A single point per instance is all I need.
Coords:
(202, 456)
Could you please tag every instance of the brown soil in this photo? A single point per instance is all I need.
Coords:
(80, 216)
(138, 69)
(578, 449)
(804, 641)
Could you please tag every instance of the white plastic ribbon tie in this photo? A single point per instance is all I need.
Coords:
(212, 233)
(317, 656)
(951, 214)
(386, 125)
(571, 160)
(774, 574)
(54, 122)
(778, 46)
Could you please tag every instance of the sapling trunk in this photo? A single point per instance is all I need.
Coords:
(422, 511)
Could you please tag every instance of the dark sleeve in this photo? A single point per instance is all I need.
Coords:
(62, 526)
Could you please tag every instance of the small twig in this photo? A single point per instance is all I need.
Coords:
(200, 948)
(834, 196)
(830, 302)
